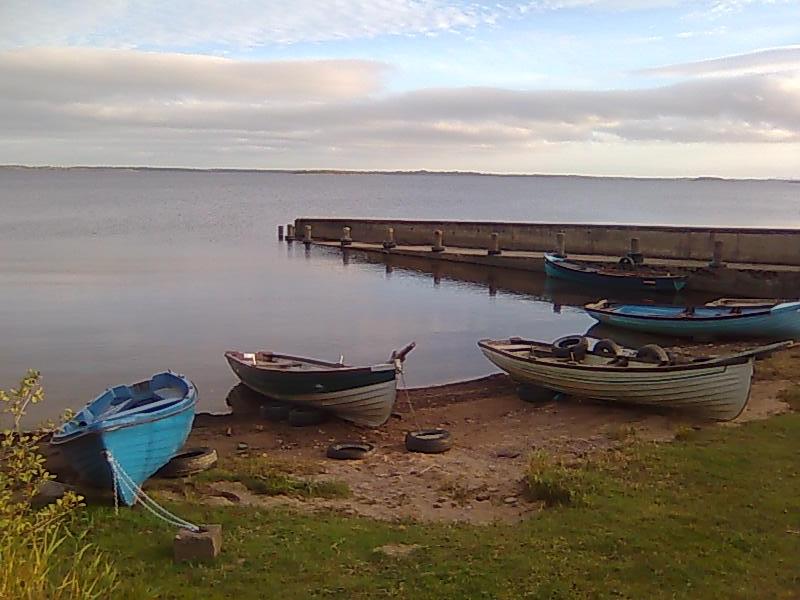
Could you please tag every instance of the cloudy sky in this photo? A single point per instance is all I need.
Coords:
(607, 87)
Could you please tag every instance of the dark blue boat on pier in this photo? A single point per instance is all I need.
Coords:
(639, 278)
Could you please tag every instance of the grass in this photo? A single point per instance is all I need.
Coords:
(791, 396)
(715, 516)
(262, 475)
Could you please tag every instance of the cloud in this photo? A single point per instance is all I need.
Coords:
(235, 24)
(772, 60)
(82, 74)
(129, 107)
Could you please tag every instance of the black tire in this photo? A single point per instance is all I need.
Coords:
(626, 263)
(349, 450)
(429, 441)
(608, 347)
(534, 393)
(189, 462)
(305, 417)
(571, 346)
(653, 353)
(274, 411)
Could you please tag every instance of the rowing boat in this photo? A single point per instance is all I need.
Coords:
(363, 395)
(715, 387)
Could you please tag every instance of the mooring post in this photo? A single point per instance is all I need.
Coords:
(561, 244)
(346, 239)
(437, 241)
(636, 254)
(716, 259)
(280, 233)
(290, 233)
(389, 242)
(307, 240)
(494, 245)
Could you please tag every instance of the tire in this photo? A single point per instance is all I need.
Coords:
(534, 393)
(189, 462)
(608, 347)
(571, 346)
(305, 417)
(274, 411)
(349, 450)
(626, 263)
(429, 441)
(652, 353)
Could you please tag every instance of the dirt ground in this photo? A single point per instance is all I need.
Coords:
(479, 480)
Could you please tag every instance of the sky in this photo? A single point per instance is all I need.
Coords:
(663, 88)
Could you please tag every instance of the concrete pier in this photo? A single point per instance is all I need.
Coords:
(759, 262)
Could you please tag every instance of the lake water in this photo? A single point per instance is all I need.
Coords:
(107, 276)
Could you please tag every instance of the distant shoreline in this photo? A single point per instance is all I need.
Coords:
(379, 172)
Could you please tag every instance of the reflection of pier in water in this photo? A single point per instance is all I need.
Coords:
(514, 281)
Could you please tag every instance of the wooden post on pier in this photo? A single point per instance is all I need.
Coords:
(561, 244)
(290, 233)
(437, 241)
(346, 239)
(494, 245)
(636, 254)
(716, 259)
(307, 239)
(389, 242)
(280, 233)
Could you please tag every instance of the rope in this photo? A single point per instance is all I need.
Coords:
(408, 399)
(120, 476)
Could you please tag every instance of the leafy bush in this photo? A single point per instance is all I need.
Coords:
(40, 557)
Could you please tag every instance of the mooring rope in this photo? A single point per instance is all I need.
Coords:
(408, 399)
(119, 475)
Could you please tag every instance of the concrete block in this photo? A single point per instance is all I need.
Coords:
(201, 546)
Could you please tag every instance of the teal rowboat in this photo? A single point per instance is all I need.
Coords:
(140, 427)
(776, 321)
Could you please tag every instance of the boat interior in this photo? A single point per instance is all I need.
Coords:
(270, 360)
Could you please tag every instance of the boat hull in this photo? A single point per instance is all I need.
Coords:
(591, 277)
(365, 397)
(718, 392)
(780, 322)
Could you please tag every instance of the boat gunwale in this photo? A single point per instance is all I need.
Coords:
(722, 361)
(333, 368)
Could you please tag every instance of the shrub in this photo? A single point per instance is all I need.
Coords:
(40, 557)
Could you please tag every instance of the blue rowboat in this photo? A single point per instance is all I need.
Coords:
(141, 426)
(638, 279)
(779, 320)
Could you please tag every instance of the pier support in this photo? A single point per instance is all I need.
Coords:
(389, 242)
(561, 244)
(280, 233)
(290, 233)
(716, 259)
(437, 241)
(307, 240)
(346, 239)
(494, 245)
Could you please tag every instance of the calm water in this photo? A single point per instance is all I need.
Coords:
(107, 276)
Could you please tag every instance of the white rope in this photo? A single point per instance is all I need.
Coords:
(120, 476)
(408, 399)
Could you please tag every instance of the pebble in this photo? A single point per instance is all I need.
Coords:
(242, 446)
(437, 505)
(492, 490)
(482, 497)
(510, 500)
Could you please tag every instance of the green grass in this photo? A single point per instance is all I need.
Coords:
(262, 475)
(714, 516)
